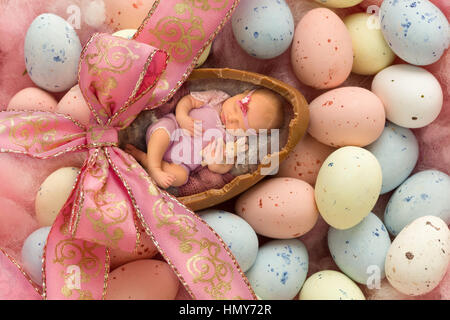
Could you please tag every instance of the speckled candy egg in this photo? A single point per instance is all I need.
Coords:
(330, 285)
(371, 52)
(127, 14)
(419, 256)
(125, 33)
(52, 53)
(322, 54)
(411, 95)
(416, 30)
(280, 270)
(397, 151)
(143, 280)
(74, 105)
(348, 116)
(32, 252)
(279, 208)
(237, 234)
(339, 3)
(424, 194)
(263, 28)
(348, 186)
(360, 251)
(33, 99)
(305, 161)
(53, 194)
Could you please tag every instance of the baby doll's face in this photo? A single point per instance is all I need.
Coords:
(262, 112)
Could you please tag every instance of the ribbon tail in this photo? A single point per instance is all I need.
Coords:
(15, 284)
(199, 257)
(73, 269)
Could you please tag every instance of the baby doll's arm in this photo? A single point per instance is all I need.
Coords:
(184, 106)
(220, 168)
(209, 154)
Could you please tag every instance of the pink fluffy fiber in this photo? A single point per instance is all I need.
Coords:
(21, 177)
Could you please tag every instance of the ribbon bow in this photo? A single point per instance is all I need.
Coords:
(113, 194)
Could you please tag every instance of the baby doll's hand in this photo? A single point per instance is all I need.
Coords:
(192, 126)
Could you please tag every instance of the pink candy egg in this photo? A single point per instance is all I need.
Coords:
(305, 161)
(145, 250)
(32, 99)
(74, 105)
(279, 208)
(322, 53)
(349, 116)
(127, 14)
(143, 280)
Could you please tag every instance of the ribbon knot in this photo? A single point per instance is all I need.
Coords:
(99, 137)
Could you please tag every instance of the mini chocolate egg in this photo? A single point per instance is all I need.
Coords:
(126, 33)
(127, 14)
(52, 53)
(145, 250)
(33, 99)
(74, 105)
(322, 54)
(142, 280)
(416, 30)
(263, 28)
(32, 252)
(358, 250)
(348, 186)
(412, 96)
(53, 194)
(330, 285)
(371, 52)
(349, 116)
(419, 256)
(305, 161)
(424, 194)
(279, 270)
(397, 151)
(237, 234)
(279, 208)
(339, 3)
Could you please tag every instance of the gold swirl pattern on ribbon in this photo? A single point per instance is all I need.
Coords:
(36, 131)
(175, 34)
(204, 265)
(207, 5)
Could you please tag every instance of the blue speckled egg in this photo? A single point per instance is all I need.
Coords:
(360, 252)
(52, 53)
(280, 270)
(416, 30)
(32, 252)
(263, 28)
(236, 233)
(424, 194)
(397, 151)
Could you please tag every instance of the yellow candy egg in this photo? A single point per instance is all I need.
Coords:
(371, 52)
(330, 285)
(127, 14)
(348, 186)
(339, 3)
(53, 194)
(204, 56)
(126, 33)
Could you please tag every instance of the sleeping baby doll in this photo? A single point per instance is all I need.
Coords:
(202, 121)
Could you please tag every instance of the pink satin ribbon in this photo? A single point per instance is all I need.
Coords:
(113, 195)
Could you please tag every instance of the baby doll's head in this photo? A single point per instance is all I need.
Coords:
(258, 109)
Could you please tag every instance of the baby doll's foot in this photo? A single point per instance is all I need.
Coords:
(139, 155)
(163, 179)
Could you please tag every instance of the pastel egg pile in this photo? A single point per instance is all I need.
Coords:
(359, 146)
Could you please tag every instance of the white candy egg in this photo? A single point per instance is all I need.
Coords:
(237, 234)
(360, 252)
(419, 256)
(411, 95)
(424, 194)
(397, 151)
(32, 252)
(280, 269)
(263, 28)
(52, 53)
